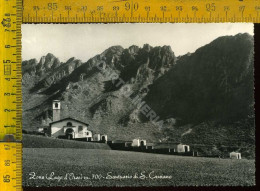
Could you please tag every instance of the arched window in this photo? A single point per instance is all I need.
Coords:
(56, 105)
(69, 124)
(103, 139)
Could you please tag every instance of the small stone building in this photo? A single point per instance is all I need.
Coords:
(181, 148)
(149, 146)
(171, 147)
(172, 150)
(100, 138)
(96, 137)
(128, 144)
(235, 155)
(138, 143)
(103, 138)
(117, 144)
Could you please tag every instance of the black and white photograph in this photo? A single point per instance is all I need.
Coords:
(138, 105)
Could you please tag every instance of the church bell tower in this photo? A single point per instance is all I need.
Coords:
(56, 110)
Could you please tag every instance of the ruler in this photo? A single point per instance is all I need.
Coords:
(174, 11)
(10, 95)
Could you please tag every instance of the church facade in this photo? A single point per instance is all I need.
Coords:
(70, 128)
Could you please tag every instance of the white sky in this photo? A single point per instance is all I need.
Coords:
(84, 41)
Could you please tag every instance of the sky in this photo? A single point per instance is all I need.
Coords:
(83, 41)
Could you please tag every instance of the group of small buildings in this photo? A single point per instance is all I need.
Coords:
(69, 128)
(142, 145)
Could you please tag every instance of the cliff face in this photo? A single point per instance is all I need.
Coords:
(213, 85)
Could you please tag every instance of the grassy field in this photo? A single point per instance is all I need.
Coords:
(93, 167)
(34, 141)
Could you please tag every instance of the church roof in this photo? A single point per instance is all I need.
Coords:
(69, 118)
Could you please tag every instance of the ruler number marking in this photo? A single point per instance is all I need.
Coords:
(7, 147)
(52, 6)
(6, 178)
(84, 8)
(210, 7)
(241, 9)
(133, 7)
(195, 9)
(6, 22)
(163, 9)
(100, 8)
(179, 9)
(67, 8)
(136, 6)
(148, 9)
(6, 61)
(226, 9)
(127, 6)
(7, 162)
(115, 8)
(36, 9)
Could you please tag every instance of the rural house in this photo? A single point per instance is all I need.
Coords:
(138, 143)
(100, 138)
(180, 148)
(128, 144)
(172, 147)
(149, 146)
(235, 155)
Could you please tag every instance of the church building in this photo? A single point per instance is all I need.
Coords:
(68, 128)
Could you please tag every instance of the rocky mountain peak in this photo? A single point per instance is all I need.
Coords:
(133, 49)
(147, 47)
(70, 60)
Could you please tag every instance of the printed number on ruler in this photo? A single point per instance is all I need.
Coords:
(10, 166)
(141, 11)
